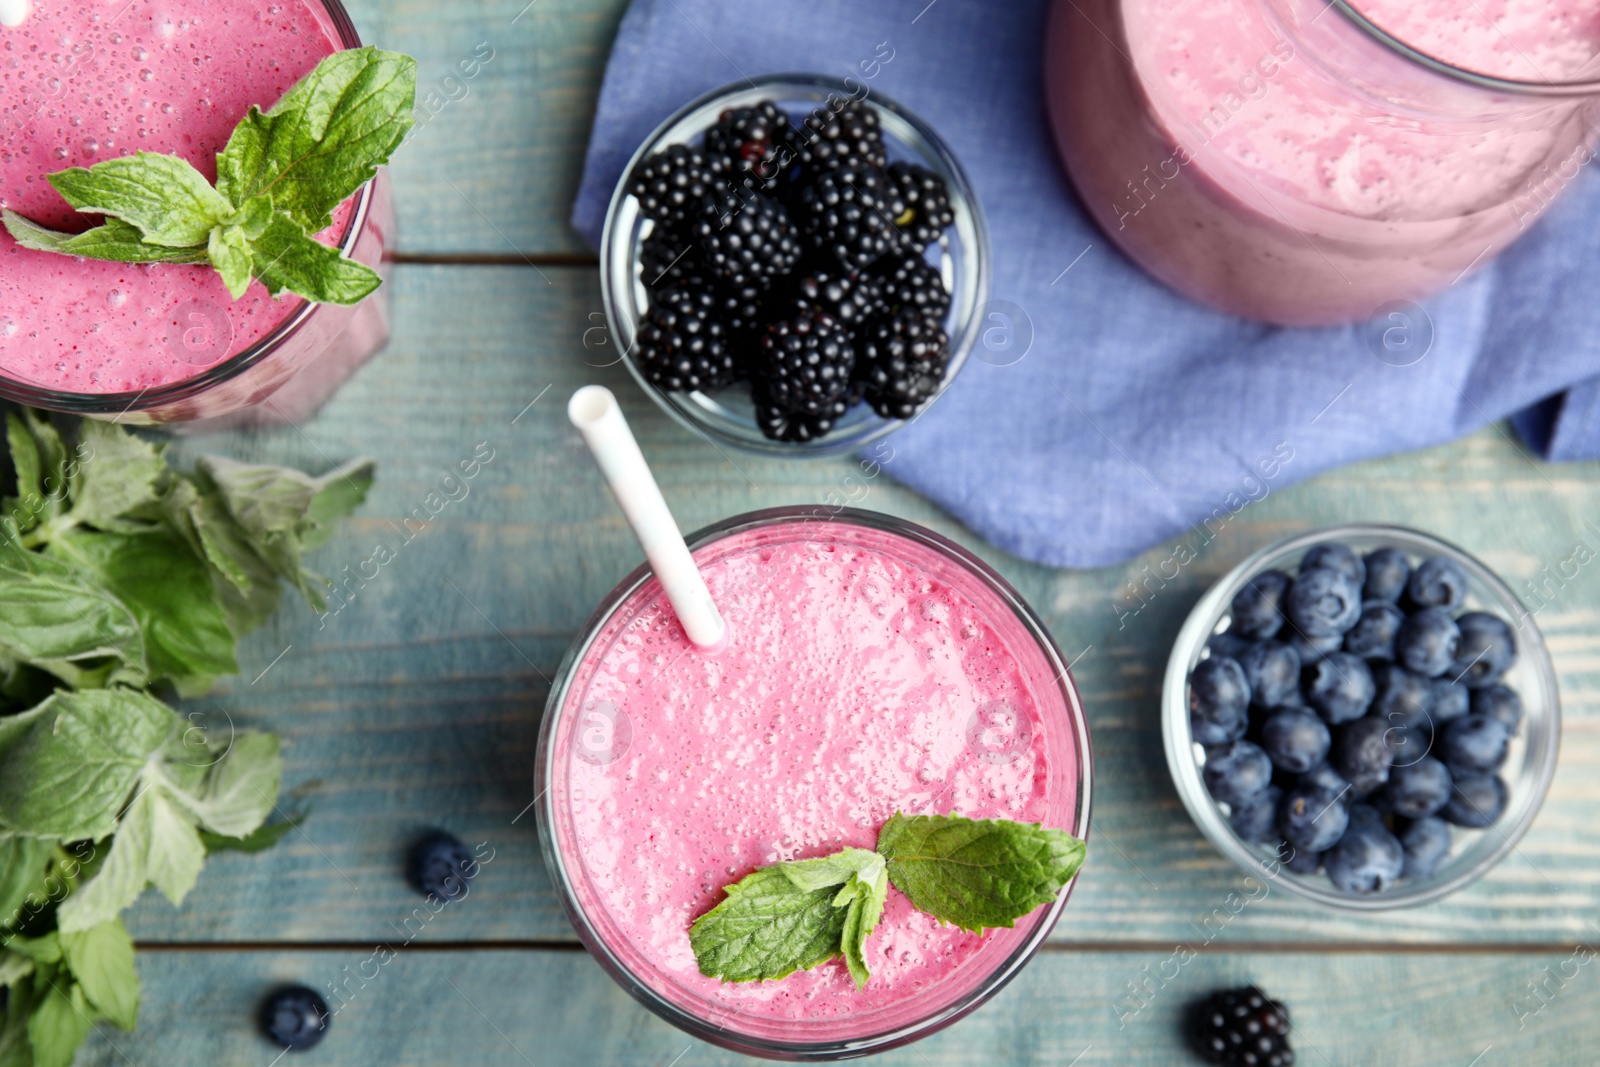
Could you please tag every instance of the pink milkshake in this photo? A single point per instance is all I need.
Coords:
(83, 81)
(1283, 161)
(873, 667)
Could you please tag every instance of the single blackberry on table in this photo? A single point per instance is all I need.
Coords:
(668, 256)
(901, 361)
(746, 239)
(927, 211)
(805, 363)
(911, 283)
(752, 146)
(838, 137)
(781, 425)
(681, 344)
(849, 214)
(671, 184)
(1241, 1027)
(851, 298)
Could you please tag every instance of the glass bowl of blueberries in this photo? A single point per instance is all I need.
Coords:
(1365, 714)
(792, 267)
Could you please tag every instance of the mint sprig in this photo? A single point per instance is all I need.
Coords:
(975, 874)
(279, 179)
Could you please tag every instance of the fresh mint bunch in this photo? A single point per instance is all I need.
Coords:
(278, 180)
(975, 873)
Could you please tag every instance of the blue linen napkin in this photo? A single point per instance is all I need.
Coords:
(1136, 414)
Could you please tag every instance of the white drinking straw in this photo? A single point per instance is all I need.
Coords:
(594, 411)
(12, 12)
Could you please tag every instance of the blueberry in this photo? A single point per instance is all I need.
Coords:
(1426, 843)
(1363, 753)
(1295, 740)
(1451, 700)
(1372, 637)
(1473, 744)
(1417, 790)
(1218, 699)
(1340, 686)
(1324, 777)
(1237, 771)
(1475, 801)
(1367, 859)
(295, 1017)
(1256, 820)
(1427, 642)
(1228, 644)
(1335, 556)
(1404, 701)
(1387, 572)
(1499, 702)
(1312, 649)
(1364, 815)
(1257, 608)
(1312, 819)
(1323, 602)
(440, 866)
(1436, 583)
(1272, 671)
(1299, 860)
(1486, 652)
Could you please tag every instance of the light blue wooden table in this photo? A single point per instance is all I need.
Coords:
(418, 704)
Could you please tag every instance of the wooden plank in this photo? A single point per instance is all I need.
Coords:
(417, 704)
(439, 1008)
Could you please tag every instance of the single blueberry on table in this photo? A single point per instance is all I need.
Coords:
(1272, 671)
(1296, 740)
(1417, 790)
(1388, 569)
(1367, 859)
(1228, 644)
(1256, 820)
(1363, 753)
(1476, 801)
(1312, 819)
(1426, 843)
(1473, 744)
(441, 866)
(1372, 637)
(1219, 698)
(1340, 686)
(1335, 556)
(1437, 582)
(1258, 607)
(1451, 700)
(1427, 642)
(1487, 649)
(1323, 602)
(1499, 702)
(1236, 772)
(295, 1017)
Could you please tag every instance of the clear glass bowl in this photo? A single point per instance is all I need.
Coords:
(565, 738)
(962, 255)
(1527, 771)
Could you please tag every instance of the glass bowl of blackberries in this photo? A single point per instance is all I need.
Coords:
(1365, 714)
(794, 265)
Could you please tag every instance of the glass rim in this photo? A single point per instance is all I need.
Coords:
(546, 813)
(1514, 86)
(1197, 629)
(124, 402)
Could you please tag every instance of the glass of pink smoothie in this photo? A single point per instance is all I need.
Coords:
(1309, 162)
(83, 81)
(873, 667)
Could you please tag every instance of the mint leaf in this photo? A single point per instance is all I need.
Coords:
(230, 253)
(14, 967)
(231, 788)
(30, 472)
(122, 876)
(285, 258)
(54, 615)
(15, 1051)
(22, 867)
(260, 839)
(335, 496)
(43, 949)
(120, 474)
(977, 874)
(59, 1024)
(101, 959)
(169, 201)
(116, 241)
(325, 138)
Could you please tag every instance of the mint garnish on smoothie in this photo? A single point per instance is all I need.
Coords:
(278, 180)
(976, 874)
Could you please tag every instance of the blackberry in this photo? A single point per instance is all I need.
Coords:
(805, 363)
(850, 298)
(681, 343)
(849, 214)
(911, 283)
(752, 146)
(1241, 1026)
(840, 137)
(667, 256)
(901, 362)
(781, 425)
(927, 211)
(671, 184)
(745, 238)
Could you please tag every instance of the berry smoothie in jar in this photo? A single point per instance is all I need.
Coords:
(85, 81)
(872, 667)
(1308, 162)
